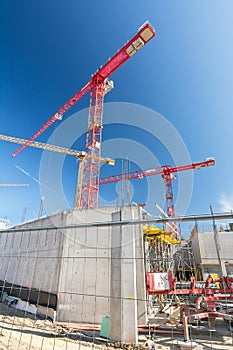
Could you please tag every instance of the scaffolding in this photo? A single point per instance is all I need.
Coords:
(159, 249)
(165, 253)
(184, 262)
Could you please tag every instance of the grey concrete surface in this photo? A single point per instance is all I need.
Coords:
(127, 303)
(85, 267)
(205, 253)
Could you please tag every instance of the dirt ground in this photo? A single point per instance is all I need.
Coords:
(20, 331)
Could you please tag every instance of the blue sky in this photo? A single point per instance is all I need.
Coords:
(49, 51)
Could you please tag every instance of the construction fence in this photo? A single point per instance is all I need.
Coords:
(66, 284)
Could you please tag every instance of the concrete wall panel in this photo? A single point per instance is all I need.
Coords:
(205, 252)
(94, 271)
(31, 259)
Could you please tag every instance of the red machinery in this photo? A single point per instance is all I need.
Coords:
(206, 306)
(98, 85)
(167, 173)
(164, 283)
(208, 295)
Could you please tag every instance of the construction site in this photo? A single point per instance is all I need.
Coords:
(114, 276)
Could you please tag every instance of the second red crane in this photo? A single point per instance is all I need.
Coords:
(166, 171)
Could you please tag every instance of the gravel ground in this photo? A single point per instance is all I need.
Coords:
(20, 331)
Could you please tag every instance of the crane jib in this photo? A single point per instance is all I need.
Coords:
(144, 35)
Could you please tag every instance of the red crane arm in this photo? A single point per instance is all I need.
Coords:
(139, 174)
(196, 165)
(145, 34)
(57, 116)
(166, 169)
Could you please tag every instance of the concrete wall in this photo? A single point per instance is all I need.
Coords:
(86, 276)
(31, 258)
(86, 267)
(127, 303)
(205, 253)
(196, 249)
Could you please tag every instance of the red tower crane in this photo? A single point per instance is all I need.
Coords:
(167, 173)
(98, 85)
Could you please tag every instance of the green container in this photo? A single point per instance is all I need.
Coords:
(105, 327)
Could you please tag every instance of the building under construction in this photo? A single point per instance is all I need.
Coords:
(84, 265)
(110, 270)
(209, 255)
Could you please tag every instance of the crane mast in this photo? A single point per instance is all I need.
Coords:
(88, 196)
(90, 184)
(167, 180)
